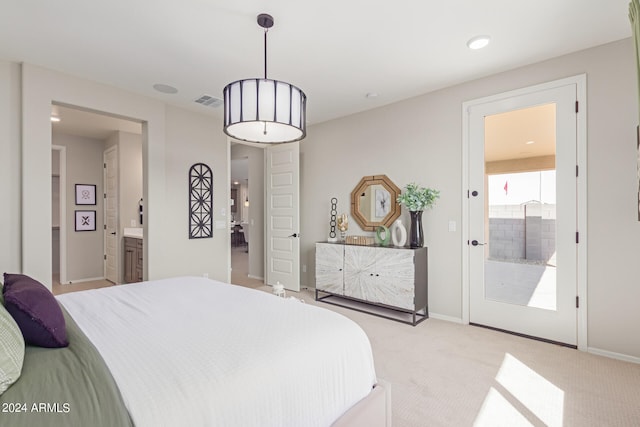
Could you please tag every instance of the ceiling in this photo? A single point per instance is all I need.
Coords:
(520, 134)
(336, 51)
(88, 124)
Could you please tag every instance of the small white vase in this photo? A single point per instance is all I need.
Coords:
(399, 233)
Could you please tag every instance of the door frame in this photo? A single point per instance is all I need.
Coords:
(119, 277)
(581, 134)
(62, 152)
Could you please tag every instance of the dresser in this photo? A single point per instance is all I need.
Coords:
(386, 281)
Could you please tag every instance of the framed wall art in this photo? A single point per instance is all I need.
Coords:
(85, 221)
(85, 194)
(200, 201)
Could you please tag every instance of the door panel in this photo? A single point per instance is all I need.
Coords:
(522, 218)
(111, 237)
(282, 211)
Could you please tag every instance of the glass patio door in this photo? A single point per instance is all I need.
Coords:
(522, 215)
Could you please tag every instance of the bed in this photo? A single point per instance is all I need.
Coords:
(191, 351)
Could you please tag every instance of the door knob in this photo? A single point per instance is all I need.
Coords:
(475, 243)
(113, 234)
(295, 235)
(474, 193)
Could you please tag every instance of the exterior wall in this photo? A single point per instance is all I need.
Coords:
(522, 232)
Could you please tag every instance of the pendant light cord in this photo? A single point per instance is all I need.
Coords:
(265, 53)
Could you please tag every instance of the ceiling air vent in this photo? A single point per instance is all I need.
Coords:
(209, 101)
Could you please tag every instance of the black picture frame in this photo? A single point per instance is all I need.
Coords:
(85, 194)
(85, 221)
(200, 201)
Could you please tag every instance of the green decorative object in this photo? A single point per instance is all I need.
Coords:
(417, 198)
(382, 235)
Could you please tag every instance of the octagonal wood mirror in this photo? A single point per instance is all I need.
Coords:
(373, 202)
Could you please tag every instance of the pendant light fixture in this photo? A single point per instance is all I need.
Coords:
(264, 110)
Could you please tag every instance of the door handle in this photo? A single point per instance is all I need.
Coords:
(113, 234)
(295, 235)
(475, 243)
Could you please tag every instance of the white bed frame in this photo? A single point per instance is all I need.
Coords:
(372, 411)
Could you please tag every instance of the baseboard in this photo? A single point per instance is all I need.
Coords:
(91, 279)
(445, 318)
(613, 355)
(251, 276)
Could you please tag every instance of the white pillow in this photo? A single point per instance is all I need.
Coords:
(11, 350)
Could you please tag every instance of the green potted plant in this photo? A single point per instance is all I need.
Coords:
(417, 199)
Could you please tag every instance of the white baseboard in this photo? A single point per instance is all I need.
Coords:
(614, 355)
(251, 276)
(91, 279)
(445, 318)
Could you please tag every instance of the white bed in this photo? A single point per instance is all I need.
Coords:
(197, 352)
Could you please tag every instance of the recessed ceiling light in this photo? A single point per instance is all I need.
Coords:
(530, 142)
(55, 119)
(165, 88)
(371, 95)
(478, 42)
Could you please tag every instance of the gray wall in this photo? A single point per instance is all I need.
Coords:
(85, 249)
(420, 140)
(172, 140)
(10, 171)
(519, 232)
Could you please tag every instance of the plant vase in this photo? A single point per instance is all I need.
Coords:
(416, 237)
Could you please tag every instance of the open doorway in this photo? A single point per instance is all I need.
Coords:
(246, 215)
(92, 210)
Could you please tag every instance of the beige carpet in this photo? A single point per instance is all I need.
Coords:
(446, 374)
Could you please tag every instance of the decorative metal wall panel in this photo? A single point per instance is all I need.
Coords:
(200, 201)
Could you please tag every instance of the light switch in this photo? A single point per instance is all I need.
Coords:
(452, 226)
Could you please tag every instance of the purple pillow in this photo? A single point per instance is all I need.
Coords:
(35, 310)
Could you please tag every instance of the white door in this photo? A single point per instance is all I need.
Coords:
(111, 237)
(282, 215)
(522, 214)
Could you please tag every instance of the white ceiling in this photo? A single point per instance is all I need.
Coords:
(89, 124)
(335, 50)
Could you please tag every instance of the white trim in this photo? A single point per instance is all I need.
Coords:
(581, 153)
(63, 210)
(104, 212)
(251, 276)
(90, 279)
(613, 355)
(446, 318)
(581, 135)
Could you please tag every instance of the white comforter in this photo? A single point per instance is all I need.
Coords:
(194, 352)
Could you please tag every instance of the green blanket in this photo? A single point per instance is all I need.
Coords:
(64, 387)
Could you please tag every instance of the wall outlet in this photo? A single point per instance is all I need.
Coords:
(133, 223)
(452, 226)
(205, 275)
(304, 268)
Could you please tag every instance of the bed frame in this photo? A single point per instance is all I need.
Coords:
(372, 411)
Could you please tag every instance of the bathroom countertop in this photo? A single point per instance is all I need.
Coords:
(135, 232)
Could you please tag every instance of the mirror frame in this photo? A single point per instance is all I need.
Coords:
(394, 209)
